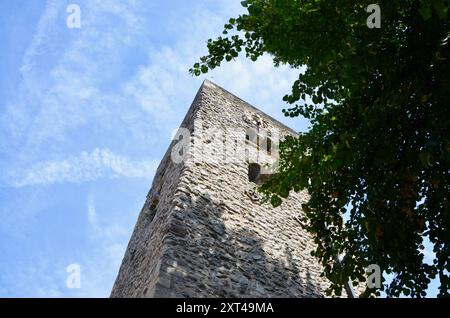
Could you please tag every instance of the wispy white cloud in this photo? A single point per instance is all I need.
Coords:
(68, 77)
(37, 277)
(43, 29)
(86, 167)
(102, 230)
(91, 213)
(109, 238)
(86, 87)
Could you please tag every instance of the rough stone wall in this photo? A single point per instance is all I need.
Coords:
(203, 232)
(139, 274)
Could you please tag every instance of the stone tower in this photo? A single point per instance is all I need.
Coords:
(203, 230)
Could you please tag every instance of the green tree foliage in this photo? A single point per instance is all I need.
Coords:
(376, 157)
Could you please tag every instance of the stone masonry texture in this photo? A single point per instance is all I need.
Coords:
(203, 230)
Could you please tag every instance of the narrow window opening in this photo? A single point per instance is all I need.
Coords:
(269, 146)
(251, 136)
(132, 255)
(152, 209)
(154, 204)
(254, 171)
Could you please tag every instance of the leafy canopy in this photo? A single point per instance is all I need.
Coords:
(376, 157)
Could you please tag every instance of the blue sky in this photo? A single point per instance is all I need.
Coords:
(85, 117)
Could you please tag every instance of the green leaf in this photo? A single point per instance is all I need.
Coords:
(275, 201)
(440, 7)
(425, 11)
